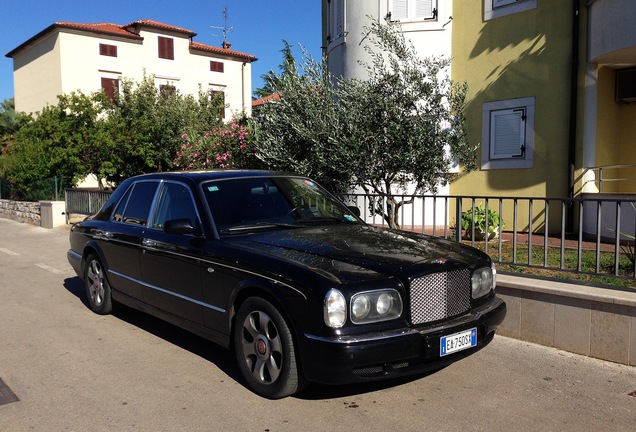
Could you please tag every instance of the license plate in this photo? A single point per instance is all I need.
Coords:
(457, 342)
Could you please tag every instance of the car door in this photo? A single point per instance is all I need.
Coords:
(171, 263)
(120, 238)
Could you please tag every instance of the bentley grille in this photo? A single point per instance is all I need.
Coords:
(440, 295)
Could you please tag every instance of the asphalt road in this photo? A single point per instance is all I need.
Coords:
(73, 370)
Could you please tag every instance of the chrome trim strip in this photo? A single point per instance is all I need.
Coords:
(172, 293)
(72, 254)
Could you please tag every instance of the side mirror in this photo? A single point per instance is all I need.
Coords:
(181, 226)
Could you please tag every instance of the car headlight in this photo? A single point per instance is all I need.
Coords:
(335, 309)
(482, 281)
(374, 306)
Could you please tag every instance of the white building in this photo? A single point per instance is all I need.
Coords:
(427, 24)
(67, 57)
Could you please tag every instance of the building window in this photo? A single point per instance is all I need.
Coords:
(216, 66)
(499, 8)
(166, 48)
(166, 90)
(336, 20)
(108, 50)
(508, 134)
(413, 10)
(110, 86)
(219, 96)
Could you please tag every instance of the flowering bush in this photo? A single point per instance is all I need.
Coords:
(225, 147)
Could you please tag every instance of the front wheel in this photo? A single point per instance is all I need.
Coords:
(97, 287)
(265, 350)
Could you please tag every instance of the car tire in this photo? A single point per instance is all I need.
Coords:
(265, 350)
(97, 286)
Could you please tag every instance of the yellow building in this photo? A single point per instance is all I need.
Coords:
(551, 87)
(555, 63)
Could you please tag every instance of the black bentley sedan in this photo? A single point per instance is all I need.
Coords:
(288, 277)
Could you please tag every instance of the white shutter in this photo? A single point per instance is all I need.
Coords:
(399, 9)
(499, 3)
(507, 133)
(424, 9)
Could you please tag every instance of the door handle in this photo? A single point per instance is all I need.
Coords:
(148, 242)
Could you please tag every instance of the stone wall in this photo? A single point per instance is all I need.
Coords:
(21, 211)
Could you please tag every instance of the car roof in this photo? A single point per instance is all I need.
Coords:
(201, 176)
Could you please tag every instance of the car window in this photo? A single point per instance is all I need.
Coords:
(136, 203)
(118, 216)
(276, 200)
(175, 202)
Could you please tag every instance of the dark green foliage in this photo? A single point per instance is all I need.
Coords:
(138, 132)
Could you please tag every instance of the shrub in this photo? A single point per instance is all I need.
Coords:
(225, 147)
(482, 224)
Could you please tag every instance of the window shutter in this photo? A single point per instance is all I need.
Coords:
(221, 96)
(166, 48)
(400, 9)
(499, 3)
(424, 9)
(108, 50)
(110, 87)
(216, 66)
(507, 133)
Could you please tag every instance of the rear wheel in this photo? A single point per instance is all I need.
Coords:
(265, 350)
(97, 287)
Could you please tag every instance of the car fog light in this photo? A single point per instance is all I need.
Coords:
(385, 301)
(361, 306)
(335, 309)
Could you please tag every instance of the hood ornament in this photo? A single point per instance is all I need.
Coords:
(439, 261)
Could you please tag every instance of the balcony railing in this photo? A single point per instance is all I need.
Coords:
(615, 174)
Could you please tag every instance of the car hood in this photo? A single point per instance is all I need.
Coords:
(360, 247)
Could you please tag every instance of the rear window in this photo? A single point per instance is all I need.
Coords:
(134, 207)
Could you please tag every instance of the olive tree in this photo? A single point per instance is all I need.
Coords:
(301, 132)
(402, 127)
(406, 119)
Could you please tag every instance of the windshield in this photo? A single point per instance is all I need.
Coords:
(271, 202)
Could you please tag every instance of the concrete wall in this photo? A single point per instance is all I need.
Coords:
(591, 321)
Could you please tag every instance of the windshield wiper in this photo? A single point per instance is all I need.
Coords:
(257, 226)
(322, 219)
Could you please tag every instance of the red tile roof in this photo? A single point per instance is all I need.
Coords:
(269, 98)
(104, 28)
(222, 51)
(158, 25)
(130, 31)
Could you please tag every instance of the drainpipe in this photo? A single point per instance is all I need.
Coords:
(574, 73)
(243, 87)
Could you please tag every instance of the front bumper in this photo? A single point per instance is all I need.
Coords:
(397, 353)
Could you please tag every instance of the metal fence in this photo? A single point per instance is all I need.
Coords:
(84, 201)
(584, 235)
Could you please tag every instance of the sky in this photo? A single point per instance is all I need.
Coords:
(258, 27)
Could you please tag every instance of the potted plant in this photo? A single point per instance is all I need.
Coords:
(483, 225)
